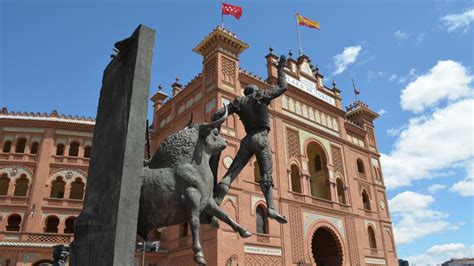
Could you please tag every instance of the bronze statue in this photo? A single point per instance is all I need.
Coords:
(253, 112)
(178, 183)
(60, 255)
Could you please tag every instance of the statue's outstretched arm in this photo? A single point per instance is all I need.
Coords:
(282, 86)
(230, 108)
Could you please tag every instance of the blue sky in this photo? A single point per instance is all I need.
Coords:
(412, 61)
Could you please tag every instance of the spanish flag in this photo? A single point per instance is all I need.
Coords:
(307, 22)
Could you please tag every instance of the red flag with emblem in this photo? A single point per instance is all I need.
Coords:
(235, 11)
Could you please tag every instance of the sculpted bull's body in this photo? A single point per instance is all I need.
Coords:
(177, 184)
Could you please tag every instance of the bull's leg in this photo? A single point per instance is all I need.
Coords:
(192, 198)
(215, 210)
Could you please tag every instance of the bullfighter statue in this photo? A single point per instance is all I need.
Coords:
(252, 110)
(177, 183)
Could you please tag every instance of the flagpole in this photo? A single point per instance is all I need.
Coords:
(222, 14)
(355, 90)
(298, 33)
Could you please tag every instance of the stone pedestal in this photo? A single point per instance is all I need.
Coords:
(105, 231)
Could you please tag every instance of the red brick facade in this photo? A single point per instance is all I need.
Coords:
(50, 152)
(339, 200)
(327, 175)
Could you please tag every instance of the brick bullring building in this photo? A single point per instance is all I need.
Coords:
(327, 174)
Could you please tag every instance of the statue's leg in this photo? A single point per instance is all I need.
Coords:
(241, 159)
(192, 198)
(264, 159)
(214, 210)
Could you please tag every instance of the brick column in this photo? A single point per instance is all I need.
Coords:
(305, 184)
(67, 189)
(11, 187)
(38, 187)
(332, 183)
(289, 179)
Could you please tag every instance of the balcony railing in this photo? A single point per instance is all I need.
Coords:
(362, 176)
(341, 206)
(69, 203)
(35, 237)
(70, 160)
(14, 200)
(320, 201)
(18, 156)
(297, 196)
(47, 238)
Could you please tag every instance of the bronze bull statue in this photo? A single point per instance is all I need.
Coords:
(178, 183)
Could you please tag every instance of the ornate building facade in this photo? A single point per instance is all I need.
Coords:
(43, 167)
(327, 176)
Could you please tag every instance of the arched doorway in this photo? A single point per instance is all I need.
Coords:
(44, 263)
(326, 248)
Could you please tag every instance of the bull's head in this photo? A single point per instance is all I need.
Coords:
(209, 133)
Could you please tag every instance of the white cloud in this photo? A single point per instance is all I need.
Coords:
(393, 77)
(400, 35)
(382, 111)
(415, 218)
(431, 144)
(393, 132)
(371, 75)
(419, 38)
(465, 187)
(438, 254)
(408, 77)
(454, 22)
(435, 187)
(346, 58)
(446, 80)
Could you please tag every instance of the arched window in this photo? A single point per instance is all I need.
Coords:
(57, 188)
(341, 198)
(295, 178)
(7, 146)
(317, 163)
(371, 235)
(378, 175)
(4, 184)
(34, 148)
(366, 200)
(388, 241)
(256, 172)
(60, 149)
(87, 151)
(318, 171)
(74, 149)
(360, 166)
(262, 221)
(69, 225)
(20, 145)
(13, 222)
(77, 189)
(52, 223)
(21, 186)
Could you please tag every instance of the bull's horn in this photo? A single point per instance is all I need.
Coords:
(190, 121)
(219, 121)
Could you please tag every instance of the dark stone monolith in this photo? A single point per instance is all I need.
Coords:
(105, 231)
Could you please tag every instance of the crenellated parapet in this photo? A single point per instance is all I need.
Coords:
(54, 116)
(359, 115)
